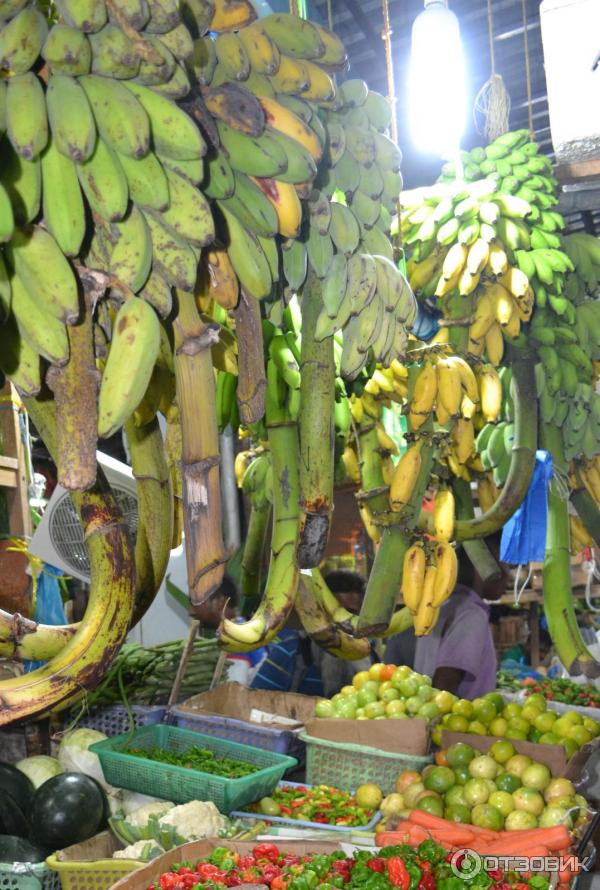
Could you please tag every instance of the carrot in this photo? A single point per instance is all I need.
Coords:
(555, 838)
(427, 820)
(508, 847)
(459, 835)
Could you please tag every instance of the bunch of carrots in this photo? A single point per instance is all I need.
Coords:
(421, 826)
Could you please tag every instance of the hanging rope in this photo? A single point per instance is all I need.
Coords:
(527, 70)
(492, 102)
(329, 16)
(389, 64)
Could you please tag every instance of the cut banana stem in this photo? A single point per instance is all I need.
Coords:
(22, 638)
(317, 623)
(317, 430)
(477, 550)
(558, 594)
(75, 387)
(154, 491)
(252, 381)
(195, 383)
(254, 548)
(86, 658)
(522, 458)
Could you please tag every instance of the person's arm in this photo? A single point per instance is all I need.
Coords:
(448, 678)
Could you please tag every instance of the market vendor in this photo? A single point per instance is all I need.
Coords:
(459, 653)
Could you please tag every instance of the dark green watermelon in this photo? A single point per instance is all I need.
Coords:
(17, 849)
(67, 809)
(16, 783)
(13, 820)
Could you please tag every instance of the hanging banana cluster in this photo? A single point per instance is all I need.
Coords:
(429, 576)
(584, 252)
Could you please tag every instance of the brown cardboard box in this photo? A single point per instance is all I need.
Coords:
(409, 736)
(552, 755)
(237, 701)
(141, 878)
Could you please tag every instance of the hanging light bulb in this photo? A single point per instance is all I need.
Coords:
(437, 88)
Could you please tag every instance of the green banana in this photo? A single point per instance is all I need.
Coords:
(247, 257)
(104, 183)
(295, 263)
(19, 360)
(71, 119)
(293, 36)
(131, 256)
(21, 40)
(23, 184)
(85, 15)
(256, 156)
(174, 134)
(44, 271)
(67, 50)
(189, 212)
(344, 229)
(172, 255)
(251, 206)
(121, 120)
(113, 53)
(26, 118)
(43, 332)
(64, 211)
(146, 180)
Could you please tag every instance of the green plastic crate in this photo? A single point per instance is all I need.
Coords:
(347, 766)
(179, 784)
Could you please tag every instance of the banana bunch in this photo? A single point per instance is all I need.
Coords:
(494, 446)
(584, 252)
(445, 385)
(589, 471)
(428, 578)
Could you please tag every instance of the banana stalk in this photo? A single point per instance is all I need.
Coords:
(558, 595)
(195, 385)
(88, 655)
(456, 310)
(254, 545)
(318, 625)
(477, 550)
(251, 382)
(155, 511)
(317, 430)
(22, 638)
(282, 580)
(75, 387)
(522, 459)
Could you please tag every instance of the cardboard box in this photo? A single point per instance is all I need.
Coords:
(237, 701)
(410, 736)
(141, 878)
(553, 756)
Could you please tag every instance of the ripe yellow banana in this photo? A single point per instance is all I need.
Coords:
(463, 437)
(497, 262)
(454, 261)
(487, 493)
(467, 377)
(424, 395)
(443, 515)
(449, 394)
(483, 318)
(494, 344)
(427, 614)
(490, 391)
(386, 443)
(405, 477)
(350, 462)
(285, 200)
(413, 576)
(285, 121)
(446, 573)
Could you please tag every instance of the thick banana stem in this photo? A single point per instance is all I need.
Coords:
(383, 587)
(254, 546)
(587, 511)
(558, 594)
(85, 659)
(522, 459)
(477, 550)
(204, 548)
(317, 430)
(22, 638)
(282, 581)
(252, 381)
(155, 512)
(317, 623)
(75, 387)
(457, 311)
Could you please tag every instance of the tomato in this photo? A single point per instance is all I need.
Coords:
(387, 672)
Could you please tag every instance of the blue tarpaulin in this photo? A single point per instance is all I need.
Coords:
(524, 535)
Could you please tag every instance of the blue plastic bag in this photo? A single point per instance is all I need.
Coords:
(426, 325)
(48, 604)
(524, 535)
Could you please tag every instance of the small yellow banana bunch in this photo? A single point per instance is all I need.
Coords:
(387, 447)
(444, 515)
(490, 392)
(405, 477)
(364, 406)
(487, 492)
(589, 471)
(499, 311)
(426, 585)
(350, 463)
(381, 383)
(421, 273)
(242, 461)
(463, 268)
(580, 537)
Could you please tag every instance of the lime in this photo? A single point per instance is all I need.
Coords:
(536, 776)
(508, 782)
(476, 727)
(359, 680)
(502, 751)
(555, 815)
(408, 777)
(556, 788)
(269, 807)
(455, 795)
(413, 704)
(456, 723)
(517, 734)
(549, 738)
(439, 779)
(484, 710)
(574, 716)
(429, 710)
(545, 721)
(375, 709)
(528, 799)
(484, 815)
(496, 699)
(517, 764)
(458, 813)
(503, 802)
(412, 793)
(368, 796)
(436, 735)
(498, 726)
(512, 710)
(433, 805)
(445, 701)
(401, 673)
(324, 708)
(366, 696)
(375, 671)
(519, 820)
(461, 774)
(570, 747)
(592, 726)
(348, 690)
(394, 708)
(538, 700)
(476, 791)
(390, 694)
(483, 767)
(460, 754)
(520, 724)
(463, 707)
(530, 713)
(580, 735)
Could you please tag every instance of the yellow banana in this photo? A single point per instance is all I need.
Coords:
(422, 273)
(413, 576)
(483, 318)
(350, 462)
(467, 377)
(490, 391)
(424, 396)
(443, 515)
(467, 282)
(405, 477)
(515, 281)
(463, 437)
(454, 261)
(449, 388)
(285, 200)
(487, 493)
(427, 614)
(369, 523)
(385, 442)
(478, 256)
(494, 344)
(446, 573)
(285, 121)
(497, 262)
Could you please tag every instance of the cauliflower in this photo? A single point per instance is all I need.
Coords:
(194, 820)
(142, 850)
(139, 818)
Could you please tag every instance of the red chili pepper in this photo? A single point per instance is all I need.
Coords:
(266, 851)
(376, 864)
(495, 874)
(168, 881)
(188, 881)
(231, 879)
(246, 861)
(289, 859)
(427, 882)
(270, 872)
(397, 873)
(207, 870)
(341, 866)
